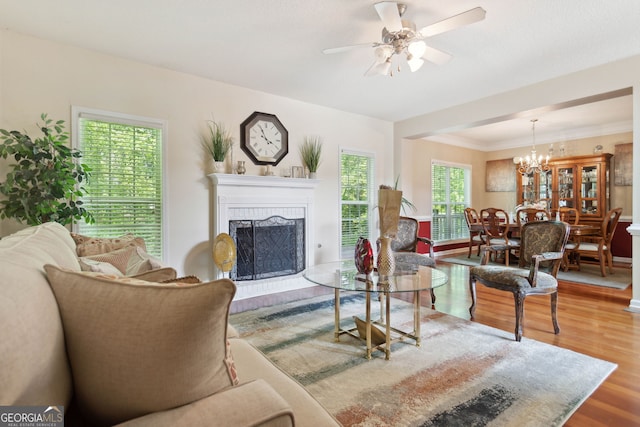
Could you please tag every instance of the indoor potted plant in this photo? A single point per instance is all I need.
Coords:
(310, 151)
(218, 143)
(45, 183)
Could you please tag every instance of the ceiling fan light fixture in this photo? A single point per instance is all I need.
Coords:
(415, 62)
(382, 53)
(384, 68)
(417, 48)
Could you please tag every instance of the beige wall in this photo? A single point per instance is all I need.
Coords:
(41, 76)
(417, 155)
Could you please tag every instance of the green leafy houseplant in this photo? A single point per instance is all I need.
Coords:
(310, 151)
(219, 141)
(45, 183)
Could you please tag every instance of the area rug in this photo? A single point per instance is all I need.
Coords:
(589, 274)
(464, 374)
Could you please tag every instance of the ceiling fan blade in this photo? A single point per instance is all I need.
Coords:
(436, 56)
(456, 21)
(346, 48)
(389, 14)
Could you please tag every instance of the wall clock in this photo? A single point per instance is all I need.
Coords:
(264, 139)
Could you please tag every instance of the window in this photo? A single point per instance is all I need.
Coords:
(125, 186)
(451, 185)
(356, 189)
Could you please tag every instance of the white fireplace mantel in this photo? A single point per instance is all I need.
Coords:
(247, 197)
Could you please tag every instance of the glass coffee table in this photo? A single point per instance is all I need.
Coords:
(343, 276)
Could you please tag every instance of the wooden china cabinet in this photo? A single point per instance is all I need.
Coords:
(580, 182)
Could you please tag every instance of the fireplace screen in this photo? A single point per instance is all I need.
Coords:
(268, 248)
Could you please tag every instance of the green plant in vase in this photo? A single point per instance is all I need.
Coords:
(310, 152)
(45, 183)
(218, 143)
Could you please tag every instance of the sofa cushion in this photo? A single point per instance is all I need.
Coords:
(34, 368)
(87, 246)
(138, 347)
(254, 403)
(253, 365)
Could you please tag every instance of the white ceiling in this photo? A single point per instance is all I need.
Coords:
(276, 47)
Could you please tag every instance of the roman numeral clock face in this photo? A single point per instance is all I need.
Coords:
(264, 139)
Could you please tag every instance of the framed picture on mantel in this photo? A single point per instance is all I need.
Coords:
(500, 175)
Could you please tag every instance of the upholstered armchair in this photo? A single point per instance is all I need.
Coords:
(405, 246)
(541, 251)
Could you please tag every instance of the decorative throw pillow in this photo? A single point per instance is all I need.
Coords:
(137, 347)
(118, 258)
(157, 275)
(87, 246)
(184, 280)
(87, 264)
(141, 261)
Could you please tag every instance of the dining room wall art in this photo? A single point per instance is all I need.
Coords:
(623, 164)
(500, 176)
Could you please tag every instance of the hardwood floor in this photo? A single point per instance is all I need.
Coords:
(592, 320)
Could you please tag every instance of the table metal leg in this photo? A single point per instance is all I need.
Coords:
(336, 305)
(368, 324)
(416, 318)
(387, 349)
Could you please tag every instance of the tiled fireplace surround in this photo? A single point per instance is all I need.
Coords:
(246, 197)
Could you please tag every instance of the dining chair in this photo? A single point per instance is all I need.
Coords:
(495, 226)
(405, 246)
(568, 215)
(476, 232)
(524, 215)
(541, 252)
(598, 247)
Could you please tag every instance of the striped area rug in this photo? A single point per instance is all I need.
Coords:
(464, 374)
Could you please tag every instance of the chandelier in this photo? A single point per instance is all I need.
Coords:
(532, 163)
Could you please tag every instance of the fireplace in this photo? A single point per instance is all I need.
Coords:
(239, 202)
(267, 248)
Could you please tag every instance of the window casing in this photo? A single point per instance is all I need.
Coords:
(357, 199)
(125, 188)
(451, 194)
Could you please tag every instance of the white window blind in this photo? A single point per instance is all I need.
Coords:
(357, 196)
(125, 185)
(450, 196)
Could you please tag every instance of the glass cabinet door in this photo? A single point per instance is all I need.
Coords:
(528, 189)
(589, 190)
(544, 188)
(565, 187)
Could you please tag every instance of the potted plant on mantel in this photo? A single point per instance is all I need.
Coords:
(45, 183)
(310, 151)
(218, 143)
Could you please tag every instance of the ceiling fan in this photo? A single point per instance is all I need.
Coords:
(400, 36)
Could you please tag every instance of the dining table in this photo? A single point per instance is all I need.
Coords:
(576, 233)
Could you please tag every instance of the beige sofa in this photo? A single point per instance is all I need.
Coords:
(130, 352)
